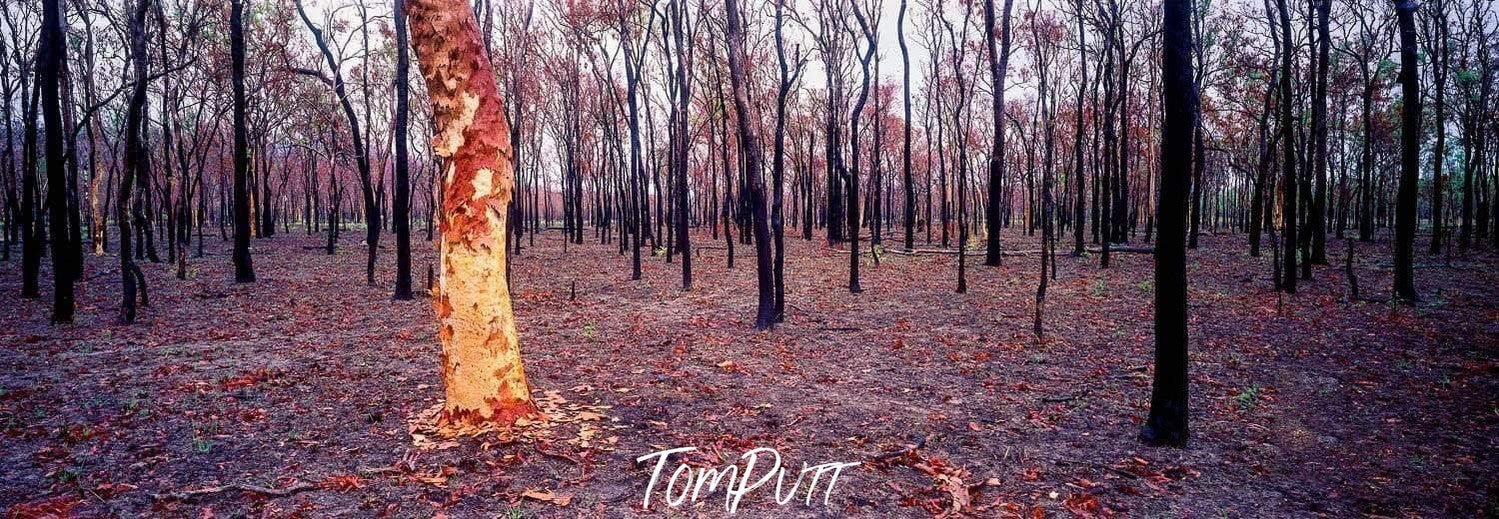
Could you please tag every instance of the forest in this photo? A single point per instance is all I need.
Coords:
(617, 258)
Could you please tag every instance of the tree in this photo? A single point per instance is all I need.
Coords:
(788, 78)
(681, 140)
(1081, 203)
(1410, 154)
(852, 182)
(482, 372)
(1317, 220)
(132, 280)
(1288, 146)
(905, 152)
(244, 270)
(999, 61)
(1167, 423)
(50, 60)
(361, 153)
(749, 144)
(401, 209)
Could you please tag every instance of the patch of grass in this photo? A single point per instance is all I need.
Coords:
(202, 445)
(64, 475)
(1097, 288)
(1248, 398)
(1145, 285)
(515, 513)
(589, 332)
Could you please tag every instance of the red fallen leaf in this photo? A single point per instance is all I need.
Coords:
(1082, 504)
(342, 482)
(46, 508)
(548, 496)
(108, 490)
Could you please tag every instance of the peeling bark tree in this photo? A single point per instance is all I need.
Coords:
(481, 365)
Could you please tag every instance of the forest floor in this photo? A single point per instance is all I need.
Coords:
(308, 384)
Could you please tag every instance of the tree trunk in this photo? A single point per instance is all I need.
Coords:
(50, 60)
(1167, 423)
(482, 372)
(749, 143)
(1410, 154)
(999, 61)
(401, 209)
(244, 270)
(1288, 144)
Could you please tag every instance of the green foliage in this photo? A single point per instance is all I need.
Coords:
(202, 445)
(589, 332)
(1387, 67)
(1248, 398)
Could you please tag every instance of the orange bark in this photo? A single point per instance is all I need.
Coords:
(481, 365)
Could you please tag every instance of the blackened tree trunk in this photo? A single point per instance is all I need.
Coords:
(1410, 154)
(1288, 144)
(1257, 213)
(1080, 202)
(244, 271)
(853, 145)
(1317, 220)
(50, 59)
(1167, 423)
(999, 61)
(905, 152)
(401, 209)
(1438, 50)
(132, 282)
(777, 221)
(680, 144)
(749, 143)
(361, 155)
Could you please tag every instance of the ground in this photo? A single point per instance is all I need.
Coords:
(312, 384)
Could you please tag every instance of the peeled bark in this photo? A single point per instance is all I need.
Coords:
(481, 365)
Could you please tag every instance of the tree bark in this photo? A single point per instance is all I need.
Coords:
(749, 142)
(481, 367)
(244, 270)
(999, 61)
(50, 61)
(1167, 423)
(1410, 154)
(401, 209)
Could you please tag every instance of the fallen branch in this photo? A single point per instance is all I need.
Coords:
(188, 495)
(916, 252)
(920, 442)
(1123, 249)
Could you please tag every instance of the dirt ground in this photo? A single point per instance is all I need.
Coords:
(307, 384)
